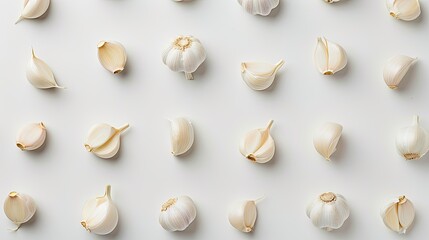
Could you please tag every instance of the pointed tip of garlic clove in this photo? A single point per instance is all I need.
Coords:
(19, 19)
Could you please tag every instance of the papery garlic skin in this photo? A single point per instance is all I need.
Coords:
(329, 57)
(329, 211)
(181, 136)
(184, 54)
(31, 136)
(258, 145)
(412, 142)
(398, 215)
(19, 208)
(177, 213)
(395, 70)
(242, 215)
(33, 9)
(259, 76)
(406, 10)
(100, 215)
(326, 139)
(104, 140)
(112, 56)
(259, 7)
(39, 74)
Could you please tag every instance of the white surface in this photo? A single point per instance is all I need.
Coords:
(366, 168)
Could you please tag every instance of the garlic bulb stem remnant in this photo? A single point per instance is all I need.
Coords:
(398, 215)
(259, 7)
(258, 145)
(39, 74)
(259, 76)
(31, 137)
(104, 140)
(177, 213)
(19, 208)
(412, 142)
(395, 70)
(242, 215)
(33, 9)
(112, 56)
(406, 10)
(182, 136)
(329, 57)
(326, 139)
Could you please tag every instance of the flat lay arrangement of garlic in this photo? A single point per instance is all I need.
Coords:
(326, 139)
(259, 76)
(31, 136)
(40, 74)
(329, 57)
(412, 142)
(258, 145)
(184, 54)
(395, 70)
(328, 211)
(177, 213)
(242, 215)
(104, 140)
(19, 208)
(259, 7)
(406, 10)
(100, 215)
(181, 136)
(33, 9)
(112, 56)
(398, 214)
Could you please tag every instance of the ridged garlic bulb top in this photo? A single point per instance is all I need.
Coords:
(177, 213)
(259, 7)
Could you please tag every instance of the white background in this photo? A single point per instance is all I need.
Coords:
(366, 168)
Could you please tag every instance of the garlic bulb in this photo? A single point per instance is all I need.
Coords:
(398, 214)
(329, 211)
(258, 145)
(31, 136)
(184, 54)
(406, 10)
(112, 56)
(259, 7)
(100, 215)
(412, 142)
(329, 57)
(242, 215)
(177, 213)
(331, 1)
(182, 136)
(19, 208)
(326, 139)
(40, 74)
(104, 140)
(33, 9)
(395, 70)
(259, 76)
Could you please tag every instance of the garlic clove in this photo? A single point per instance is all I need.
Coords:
(242, 215)
(259, 7)
(406, 214)
(31, 136)
(395, 70)
(406, 10)
(259, 76)
(182, 136)
(326, 139)
(331, 1)
(258, 145)
(398, 215)
(19, 208)
(412, 142)
(329, 57)
(39, 74)
(104, 140)
(33, 9)
(177, 213)
(112, 56)
(390, 217)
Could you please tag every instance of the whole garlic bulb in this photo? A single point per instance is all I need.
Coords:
(182, 136)
(19, 208)
(326, 139)
(104, 140)
(112, 56)
(258, 145)
(39, 74)
(395, 70)
(31, 136)
(329, 57)
(33, 9)
(177, 213)
(100, 215)
(398, 214)
(259, 76)
(412, 142)
(242, 215)
(259, 7)
(329, 211)
(184, 54)
(406, 10)
(331, 1)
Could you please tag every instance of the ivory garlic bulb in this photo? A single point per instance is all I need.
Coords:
(412, 142)
(259, 76)
(259, 7)
(331, 1)
(39, 74)
(326, 139)
(19, 208)
(395, 70)
(329, 57)
(406, 10)
(112, 56)
(242, 215)
(182, 136)
(258, 145)
(398, 214)
(177, 213)
(104, 140)
(33, 9)
(31, 136)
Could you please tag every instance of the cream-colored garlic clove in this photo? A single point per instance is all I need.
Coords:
(112, 56)
(242, 215)
(184, 54)
(19, 208)
(258, 145)
(259, 76)
(331, 1)
(398, 215)
(104, 140)
(259, 7)
(31, 136)
(39, 74)
(33, 9)
(326, 139)
(328, 211)
(412, 142)
(406, 10)
(181, 136)
(395, 70)
(329, 57)
(100, 215)
(177, 213)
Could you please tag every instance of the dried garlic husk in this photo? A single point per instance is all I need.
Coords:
(398, 214)
(258, 145)
(177, 213)
(412, 142)
(112, 56)
(19, 208)
(31, 136)
(104, 140)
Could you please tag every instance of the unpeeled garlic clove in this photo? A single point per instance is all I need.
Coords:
(326, 139)
(242, 215)
(259, 76)
(412, 142)
(259, 7)
(31, 136)
(258, 145)
(19, 208)
(112, 56)
(33, 9)
(406, 10)
(331, 1)
(181, 136)
(104, 140)
(329, 57)
(100, 215)
(398, 214)
(177, 213)
(395, 70)
(39, 74)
